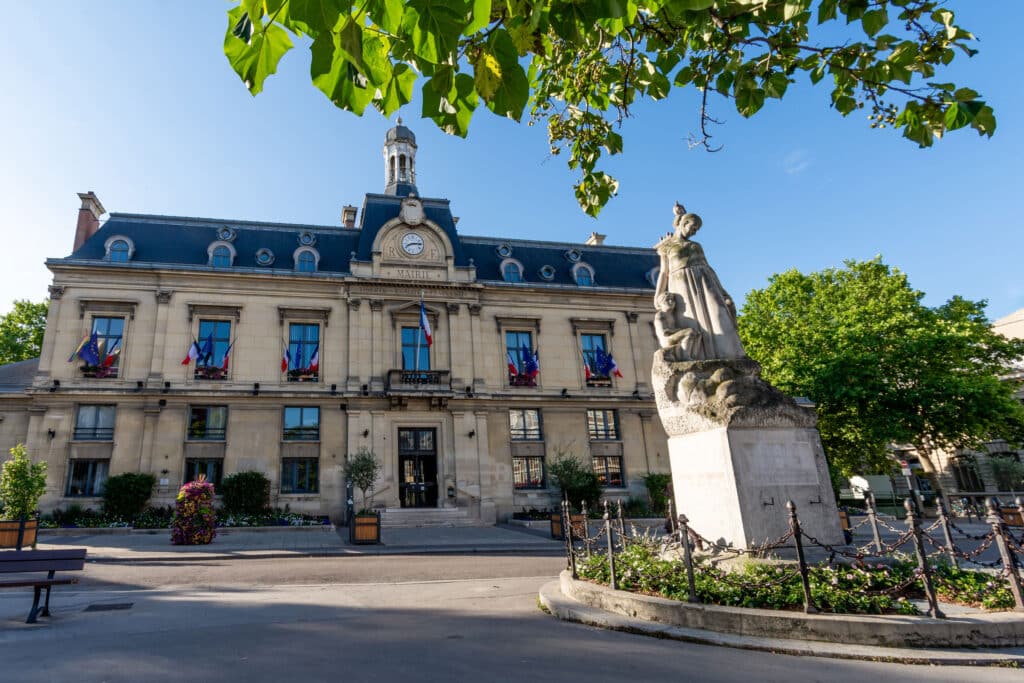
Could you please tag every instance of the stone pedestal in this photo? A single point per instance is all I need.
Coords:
(740, 449)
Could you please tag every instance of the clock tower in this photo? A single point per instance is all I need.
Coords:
(400, 161)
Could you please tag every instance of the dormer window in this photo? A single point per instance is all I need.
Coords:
(119, 249)
(226, 234)
(306, 238)
(306, 260)
(574, 255)
(583, 274)
(546, 273)
(264, 257)
(504, 251)
(511, 270)
(222, 254)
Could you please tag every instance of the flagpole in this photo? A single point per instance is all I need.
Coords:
(419, 335)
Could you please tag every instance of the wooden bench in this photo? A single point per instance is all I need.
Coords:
(49, 561)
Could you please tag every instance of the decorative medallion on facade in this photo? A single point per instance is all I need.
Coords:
(546, 273)
(264, 257)
(504, 251)
(574, 255)
(226, 234)
(412, 211)
(307, 238)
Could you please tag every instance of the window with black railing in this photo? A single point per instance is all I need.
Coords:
(524, 424)
(415, 352)
(522, 366)
(207, 423)
(214, 343)
(108, 332)
(603, 425)
(301, 423)
(303, 352)
(94, 423)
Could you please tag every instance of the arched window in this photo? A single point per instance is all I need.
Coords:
(401, 168)
(584, 276)
(119, 251)
(512, 271)
(221, 257)
(306, 263)
(392, 167)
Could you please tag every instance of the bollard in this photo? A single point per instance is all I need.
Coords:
(670, 506)
(586, 528)
(914, 525)
(1005, 552)
(622, 524)
(794, 526)
(567, 535)
(869, 503)
(612, 583)
(946, 531)
(684, 534)
(21, 532)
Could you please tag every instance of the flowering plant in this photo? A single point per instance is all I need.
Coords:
(194, 521)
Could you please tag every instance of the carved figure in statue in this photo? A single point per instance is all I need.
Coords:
(678, 335)
(701, 299)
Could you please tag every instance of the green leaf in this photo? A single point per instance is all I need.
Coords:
(434, 27)
(775, 86)
(481, 17)
(506, 87)
(965, 95)
(844, 104)
(398, 91)
(451, 112)
(827, 10)
(387, 14)
(961, 114)
(350, 41)
(985, 121)
(874, 21)
(336, 76)
(257, 59)
(724, 82)
(313, 16)
(749, 101)
(681, 5)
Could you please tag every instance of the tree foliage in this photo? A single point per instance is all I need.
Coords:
(22, 484)
(882, 367)
(581, 65)
(21, 331)
(363, 469)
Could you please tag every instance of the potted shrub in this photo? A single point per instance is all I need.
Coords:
(576, 483)
(363, 469)
(22, 484)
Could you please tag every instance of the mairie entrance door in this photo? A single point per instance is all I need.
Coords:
(417, 467)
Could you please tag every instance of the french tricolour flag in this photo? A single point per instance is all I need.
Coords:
(314, 360)
(285, 359)
(425, 324)
(512, 372)
(193, 353)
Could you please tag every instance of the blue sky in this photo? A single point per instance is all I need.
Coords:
(136, 101)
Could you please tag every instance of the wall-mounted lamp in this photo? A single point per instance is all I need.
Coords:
(167, 387)
(56, 385)
(565, 393)
(139, 385)
(255, 388)
(334, 390)
(165, 472)
(472, 433)
(366, 433)
(636, 394)
(469, 391)
(366, 390)
(162, 402)
(51, 433)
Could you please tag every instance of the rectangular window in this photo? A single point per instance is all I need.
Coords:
(109, 333)
(594, 348)
(301, 423)
(303, 346)
(211, 468)
(608, 469)
(521, 370)
(603, 425)
(413, 341)
(95, 423)
(87, 477)
(300, 475)
(528, 472)
(524, 425)
(207, 423)
(214, 340)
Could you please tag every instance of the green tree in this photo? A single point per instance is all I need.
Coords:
(22, 484)
(582, 65)
(364, 469)
(21, 331)
(882, 367)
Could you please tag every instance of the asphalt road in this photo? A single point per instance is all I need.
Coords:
(422, 618)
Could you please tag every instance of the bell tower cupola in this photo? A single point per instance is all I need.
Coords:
(400, 161)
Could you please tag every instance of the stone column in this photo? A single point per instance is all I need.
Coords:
(163, 299)
(352, 366)
(377, 352)
(476, 347)
(52, 331)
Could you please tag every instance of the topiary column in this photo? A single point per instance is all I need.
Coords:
(194, 522)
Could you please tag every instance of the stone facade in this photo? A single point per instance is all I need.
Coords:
(155, 285)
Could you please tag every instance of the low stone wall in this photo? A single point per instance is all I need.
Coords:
(996, 629)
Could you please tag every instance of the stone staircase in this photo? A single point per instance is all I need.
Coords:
(411, 518)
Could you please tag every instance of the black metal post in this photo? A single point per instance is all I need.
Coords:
(684, 536)
(586, 528)
(567, 531)
(946, 531)
(1005, 552)
(805, 581)
(622, 523)
(914, 524)
(869, 503)
(21, 532)
(671, 516)
(612, 582)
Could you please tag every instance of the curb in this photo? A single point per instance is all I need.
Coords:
(568, 609)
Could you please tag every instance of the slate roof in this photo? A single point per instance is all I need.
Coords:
(16, 377)
(167, 241)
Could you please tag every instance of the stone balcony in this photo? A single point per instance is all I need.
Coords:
(418, 381)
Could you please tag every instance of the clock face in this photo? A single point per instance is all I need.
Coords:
(412, 244)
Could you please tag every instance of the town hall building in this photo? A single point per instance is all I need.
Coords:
(465, 364)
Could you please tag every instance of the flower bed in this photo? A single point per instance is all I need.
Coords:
(160, 518)
(866, 589)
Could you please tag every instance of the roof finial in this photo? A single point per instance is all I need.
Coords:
(399, 120)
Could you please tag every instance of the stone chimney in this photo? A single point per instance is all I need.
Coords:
(88, 218)
(348, 216)
(595, 239)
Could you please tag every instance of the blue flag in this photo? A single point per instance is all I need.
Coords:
(603, 362)
(90, 353)
(207, 351)
(530, 365)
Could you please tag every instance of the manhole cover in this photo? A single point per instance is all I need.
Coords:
(109, 607)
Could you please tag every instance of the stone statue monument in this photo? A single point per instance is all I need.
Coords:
(739, 448)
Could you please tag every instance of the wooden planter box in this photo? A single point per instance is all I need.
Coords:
(1011, 516)
(578, 522)
(9, 533)
(364, 528)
